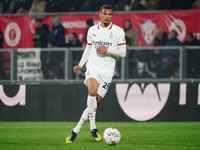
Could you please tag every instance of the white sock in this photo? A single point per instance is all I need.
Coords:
(84, 118)
(92, 108)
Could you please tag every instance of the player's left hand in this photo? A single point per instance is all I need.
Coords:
(102, 49)
(77, 69)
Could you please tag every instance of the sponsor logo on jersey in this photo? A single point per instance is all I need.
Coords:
(179, 26)
(12, 34)
(148, 31)
(107, 44)
(20, 97)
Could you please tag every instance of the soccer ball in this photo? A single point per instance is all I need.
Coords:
(111, 136)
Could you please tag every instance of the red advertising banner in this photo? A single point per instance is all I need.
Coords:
(77, 24)
(12, 30)
(183, 22)
(29, 27)
(18, 30)
(146, 24)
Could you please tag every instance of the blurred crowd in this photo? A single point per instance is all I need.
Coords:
(161, 63)
(42, 6)
(142, 63)
(52, 62)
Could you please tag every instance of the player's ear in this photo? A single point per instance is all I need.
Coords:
(100, 14)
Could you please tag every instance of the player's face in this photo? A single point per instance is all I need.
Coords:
(106, 16)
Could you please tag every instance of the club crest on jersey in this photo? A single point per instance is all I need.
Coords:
(148, 31)
(111, 35)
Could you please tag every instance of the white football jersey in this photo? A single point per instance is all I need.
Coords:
(110, 37)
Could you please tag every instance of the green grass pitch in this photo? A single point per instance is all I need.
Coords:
(135, 136)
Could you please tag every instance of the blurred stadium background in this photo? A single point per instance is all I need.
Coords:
(157, 81)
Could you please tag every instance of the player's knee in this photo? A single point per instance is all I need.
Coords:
(93, 93)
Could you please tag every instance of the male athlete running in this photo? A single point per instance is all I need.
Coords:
(105, 42)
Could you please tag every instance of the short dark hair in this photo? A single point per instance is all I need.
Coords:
(90, 22)
(106, 7)
(52, 42)
(191, 34)
(75, 35)
(39, 20)
(174, 32)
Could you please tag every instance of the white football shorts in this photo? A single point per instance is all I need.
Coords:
(103, 82)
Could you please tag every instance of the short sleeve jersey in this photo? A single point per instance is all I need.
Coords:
(110, 37)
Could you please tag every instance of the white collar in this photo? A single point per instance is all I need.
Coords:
(109, 27)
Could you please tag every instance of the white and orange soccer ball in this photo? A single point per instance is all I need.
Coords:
(111, 136)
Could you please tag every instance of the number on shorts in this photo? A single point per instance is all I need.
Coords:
(106, 85)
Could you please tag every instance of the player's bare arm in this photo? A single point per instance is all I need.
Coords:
(102, 49)
(77, 69)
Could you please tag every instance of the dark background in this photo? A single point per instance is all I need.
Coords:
(67, 102)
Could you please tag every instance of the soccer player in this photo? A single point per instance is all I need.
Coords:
(105, 42)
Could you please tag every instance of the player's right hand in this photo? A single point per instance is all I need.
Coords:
(77, 69)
